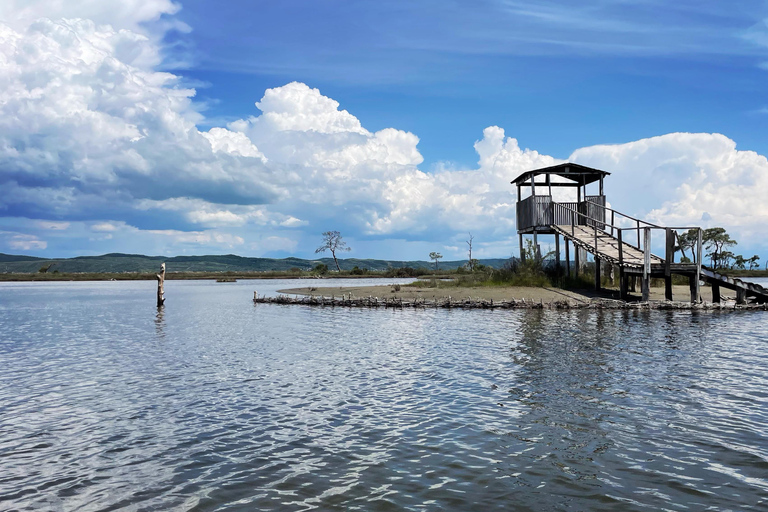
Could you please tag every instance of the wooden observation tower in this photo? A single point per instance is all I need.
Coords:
(613, 238)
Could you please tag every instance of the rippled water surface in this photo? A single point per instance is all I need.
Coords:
(215, 403)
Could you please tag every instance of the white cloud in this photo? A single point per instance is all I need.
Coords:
(22, 241)
(124, 14)
(686, 179)
(89, 130)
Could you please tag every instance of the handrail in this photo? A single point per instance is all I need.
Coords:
(647, 228)
(624, 215)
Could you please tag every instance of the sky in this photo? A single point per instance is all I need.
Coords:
(248, 127)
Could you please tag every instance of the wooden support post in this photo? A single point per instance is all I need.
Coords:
(647, 265)
(522, 248)
(160, 283)
(567, 259)
(669, 256)
(633, 283)
(536, 254)
(557, 254)
(597, 273)
(693, 281)
(576, 258)
(716, 292)
(698, 268)
(741, 296)
(623, 284)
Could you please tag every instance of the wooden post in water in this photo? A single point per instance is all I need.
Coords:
(669, 256)
(160, 282)
(697, 297)
(522, 250)
(647, 265)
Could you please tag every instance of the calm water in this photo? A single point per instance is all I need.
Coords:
(219, 404)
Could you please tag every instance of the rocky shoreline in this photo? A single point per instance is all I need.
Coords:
(348, 301)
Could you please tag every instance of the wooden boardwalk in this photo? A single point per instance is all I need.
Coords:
(631, 261)
(591, 225)
(607, 247)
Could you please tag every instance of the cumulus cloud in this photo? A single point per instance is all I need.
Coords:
(94, 140)
(686, 179)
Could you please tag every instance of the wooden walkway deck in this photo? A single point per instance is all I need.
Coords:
(632, 261)
(607, 246)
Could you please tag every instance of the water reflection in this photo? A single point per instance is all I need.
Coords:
(160, 322)
(295, 408)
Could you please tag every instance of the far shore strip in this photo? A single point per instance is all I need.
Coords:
(680, 293)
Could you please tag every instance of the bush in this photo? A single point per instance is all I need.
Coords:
(321, 268)
(402, 272)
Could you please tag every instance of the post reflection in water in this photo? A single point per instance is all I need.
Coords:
(160, 322)
(269, 407)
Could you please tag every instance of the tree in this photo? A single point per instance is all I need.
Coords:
(716, 240)
(471, 262)
(753, 262)
(739, 262)
(687, 240)
(434, 256)
(332, 242)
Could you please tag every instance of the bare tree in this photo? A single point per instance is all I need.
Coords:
(332, 242)
(434, 256)
(471, 262)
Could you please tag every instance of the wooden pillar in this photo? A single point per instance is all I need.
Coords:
(693, 281)
(597, 273)
(557, 254)
(536, 255)
(567, 259)
(669, 256)
(576, 262)
(522, 249)
(647, 265)
(160, 283)
(623, 278)
(633, 283)
(716, 292)
(741, 296)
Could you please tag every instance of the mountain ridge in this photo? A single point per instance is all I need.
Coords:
(123, 262)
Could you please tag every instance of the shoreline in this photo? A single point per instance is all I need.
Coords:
(680, 293)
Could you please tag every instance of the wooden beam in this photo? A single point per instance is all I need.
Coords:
(647, 265)
(522, 249)
(597, 273)
(567, 259)
(716, 292)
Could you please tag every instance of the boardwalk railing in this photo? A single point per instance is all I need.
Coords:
(538, 211)
(672, 235)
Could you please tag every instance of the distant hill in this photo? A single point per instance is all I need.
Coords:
(118, 262)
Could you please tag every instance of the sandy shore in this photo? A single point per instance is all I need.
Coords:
(496, 293)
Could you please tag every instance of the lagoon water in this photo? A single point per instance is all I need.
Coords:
(215, 403)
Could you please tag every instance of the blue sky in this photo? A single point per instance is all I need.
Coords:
(136, 129)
